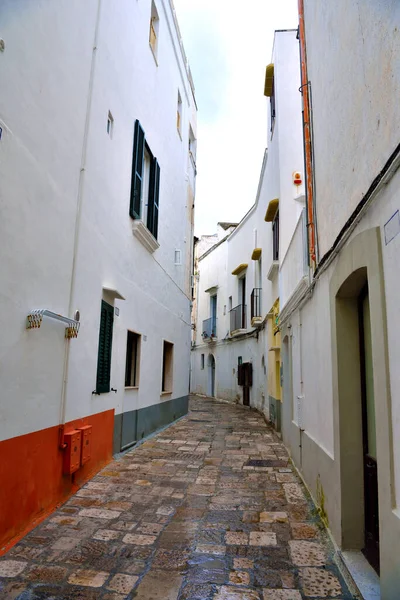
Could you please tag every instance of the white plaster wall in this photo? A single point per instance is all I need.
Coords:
(290, 131)
(44, 74)
(43, 107)
(353, 66)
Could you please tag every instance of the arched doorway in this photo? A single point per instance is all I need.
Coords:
(359, 463)
(211, 375)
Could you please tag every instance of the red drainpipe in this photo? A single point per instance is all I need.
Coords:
(307, 137)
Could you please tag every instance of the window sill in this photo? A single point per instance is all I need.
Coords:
(154, 54)
(131, 387)
(166, 393)
(144, 236)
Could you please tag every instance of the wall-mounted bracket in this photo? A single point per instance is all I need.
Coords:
(35, 318)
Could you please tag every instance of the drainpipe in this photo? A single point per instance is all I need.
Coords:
(307, 137)
(77, 226)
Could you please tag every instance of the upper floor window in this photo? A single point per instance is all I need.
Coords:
(145, 186)
(192, 145)
(154, 26)
(179, 115)
(275, 237)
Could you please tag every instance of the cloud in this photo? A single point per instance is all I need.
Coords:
(228, 44)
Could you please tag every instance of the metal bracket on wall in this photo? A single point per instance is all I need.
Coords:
(35, 318)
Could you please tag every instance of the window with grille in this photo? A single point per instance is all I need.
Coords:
(105, 347)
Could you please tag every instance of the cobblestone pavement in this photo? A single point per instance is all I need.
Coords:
(210, 508)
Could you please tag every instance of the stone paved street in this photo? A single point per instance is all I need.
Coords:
(208, 508)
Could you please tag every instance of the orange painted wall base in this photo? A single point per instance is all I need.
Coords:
(31, 474)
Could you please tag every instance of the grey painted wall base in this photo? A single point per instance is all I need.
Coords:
(275, 412)
(134, 425)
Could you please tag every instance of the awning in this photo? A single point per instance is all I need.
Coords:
(271, 210)
(269, 80)
(240, 268)
(256, 254)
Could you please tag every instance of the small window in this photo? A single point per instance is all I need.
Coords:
(179, 115)
(240, 360)
(275, 237)
(154, 25)
(132, 360)
(167, 367)
(202, 361)
(110, 124)
(192, 145)
(105, 346)
(178, 257)
(272, 108)
(230, 302)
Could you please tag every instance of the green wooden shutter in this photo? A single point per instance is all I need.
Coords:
(137, 172)
(153, 201)
(105, 345)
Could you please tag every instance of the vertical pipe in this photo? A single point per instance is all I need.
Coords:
(307, 137)
(78, 222)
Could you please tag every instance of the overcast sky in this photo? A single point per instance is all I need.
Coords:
(229, 44)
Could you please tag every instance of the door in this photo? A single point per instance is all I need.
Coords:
(371, 507)
(211, 375)
(243, 301)
(247, 378)
(213, 310)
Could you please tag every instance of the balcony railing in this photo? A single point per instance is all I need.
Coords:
(256, 303)
(209, 328)
(238, 317)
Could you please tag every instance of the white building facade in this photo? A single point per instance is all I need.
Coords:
(97, 164)
(340, 350)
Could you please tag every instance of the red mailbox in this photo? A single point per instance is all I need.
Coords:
(86, 451)
(72, 453)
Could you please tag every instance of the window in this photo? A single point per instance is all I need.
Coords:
(272, 107)
(202, 361)
(145, 183)
(275, 237)
(132, 359)
(105, 345)
(167, 367)
(192, 145)
(110, 124)
(179, 115)
(178, 257)
(230, 302)
(154, 24)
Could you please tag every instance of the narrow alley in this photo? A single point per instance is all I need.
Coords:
(208, 508)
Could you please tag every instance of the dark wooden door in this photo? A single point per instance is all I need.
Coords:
(371, 505)
(247, 378)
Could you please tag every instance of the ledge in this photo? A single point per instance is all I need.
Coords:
(144, 236)
(166, 393)
(269, 80)
(240, 268)
(256, 254)
(256, 321)
(237, 332)
(131, 387)
(273, 270)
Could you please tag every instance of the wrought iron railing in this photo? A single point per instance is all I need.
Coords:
(238, 317)
(209, 328)
(255, 298)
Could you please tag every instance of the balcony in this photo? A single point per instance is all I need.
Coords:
(209, 331)
(256, 312)
(238, 318)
